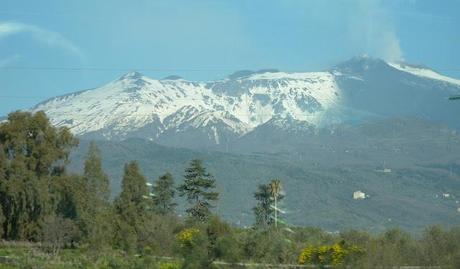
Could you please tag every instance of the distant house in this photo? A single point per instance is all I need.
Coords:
(384, 170)
(359, 195)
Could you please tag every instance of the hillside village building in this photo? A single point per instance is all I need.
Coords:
(359, 195)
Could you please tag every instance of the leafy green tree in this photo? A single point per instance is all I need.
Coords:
(271, 246)
(134, 191)
(35, 155)
(164, 192)
(436, 246)
(58, 232)
(193, 246)
(31, 139)
(158, 234)
(131, 206)
(197, 188)
(68, 196)
(393, 248)
(96, 179)
(221, 243)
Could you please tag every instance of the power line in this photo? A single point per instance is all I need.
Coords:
(22, 97)
(58, 68)
(113, 69)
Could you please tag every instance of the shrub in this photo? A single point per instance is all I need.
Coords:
(336, 254)
(186, 236)
(169, 265)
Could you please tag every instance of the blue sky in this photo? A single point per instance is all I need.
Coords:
(205, 40)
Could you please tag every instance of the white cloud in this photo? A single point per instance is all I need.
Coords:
(390, 49)
(50, 38)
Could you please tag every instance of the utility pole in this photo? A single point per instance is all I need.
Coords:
(150, 195)
(276, 213)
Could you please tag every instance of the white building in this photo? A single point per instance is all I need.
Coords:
(359, 195)
(384, 170)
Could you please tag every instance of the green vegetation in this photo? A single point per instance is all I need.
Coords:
(34, 183)
(319, 182)
(163, 195)
(266, 210)
(197, 188)
(50, 218)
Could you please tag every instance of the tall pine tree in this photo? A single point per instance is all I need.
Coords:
(97, 181)
(95, 212)
(197, 188)
(133, 190)
(131, 207)
(164, 192)
(263, 210)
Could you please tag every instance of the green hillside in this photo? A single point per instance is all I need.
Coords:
(321, 175)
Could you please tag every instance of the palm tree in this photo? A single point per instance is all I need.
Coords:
(275, 189)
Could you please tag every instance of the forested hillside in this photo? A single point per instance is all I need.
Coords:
(321, 173)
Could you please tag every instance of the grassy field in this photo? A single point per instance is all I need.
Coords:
(23, 256)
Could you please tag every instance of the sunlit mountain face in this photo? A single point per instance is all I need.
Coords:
(177, 112)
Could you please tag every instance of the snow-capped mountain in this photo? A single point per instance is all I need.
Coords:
(178, 112)
(137, 104)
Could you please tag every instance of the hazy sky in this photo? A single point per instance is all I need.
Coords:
(205, 40)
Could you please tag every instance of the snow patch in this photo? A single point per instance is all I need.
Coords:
(424, 72)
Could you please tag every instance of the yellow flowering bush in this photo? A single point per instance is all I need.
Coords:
(169, 265)
(327, 255)
(306, 255)
(186, 236)
(323, 254)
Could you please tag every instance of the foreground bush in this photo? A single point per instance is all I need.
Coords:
(335, 255)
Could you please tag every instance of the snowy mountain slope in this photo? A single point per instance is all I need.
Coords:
(127, 105)
(177, 112)
(378, 89)
(423, 72)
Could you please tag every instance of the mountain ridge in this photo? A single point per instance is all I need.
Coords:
(227, 109)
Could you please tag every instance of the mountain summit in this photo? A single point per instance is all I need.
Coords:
(177, 112)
